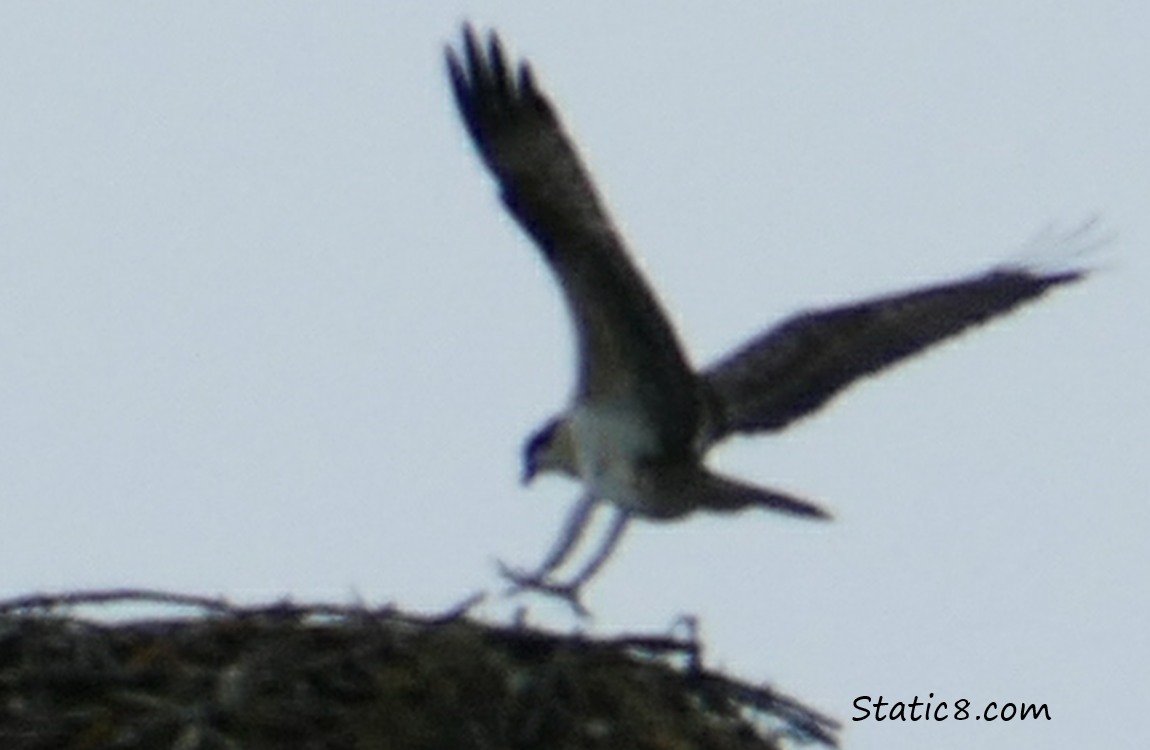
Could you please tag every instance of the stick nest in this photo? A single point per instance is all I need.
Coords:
(310, 677)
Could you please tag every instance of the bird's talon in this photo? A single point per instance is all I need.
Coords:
(538, 583)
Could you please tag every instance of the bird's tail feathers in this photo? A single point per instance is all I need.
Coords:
(703, 490)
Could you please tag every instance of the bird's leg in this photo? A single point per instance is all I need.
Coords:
(570, 591)
(618, 528)
(573, 530)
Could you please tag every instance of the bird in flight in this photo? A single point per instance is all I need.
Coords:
(642, 419)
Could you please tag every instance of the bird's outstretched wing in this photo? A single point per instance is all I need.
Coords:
(627, 348)
(795, 368)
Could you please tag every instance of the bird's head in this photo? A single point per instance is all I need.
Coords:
(549, 449)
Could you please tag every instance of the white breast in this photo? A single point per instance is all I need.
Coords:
(609, 444)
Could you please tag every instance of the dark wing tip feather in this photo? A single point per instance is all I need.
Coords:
(498, 62)
(488, 92)
(1012, 286)
(482, 76)
(471, 50)
(458, 77)
(1064, 277)
(1041, 280)
(527, 87)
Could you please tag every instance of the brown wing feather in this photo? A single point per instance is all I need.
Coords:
(795, 368)
(626, 345)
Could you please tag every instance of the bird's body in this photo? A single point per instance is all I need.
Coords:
(642, 420)
(612, 443)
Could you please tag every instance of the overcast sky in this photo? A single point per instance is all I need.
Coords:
(266, 332)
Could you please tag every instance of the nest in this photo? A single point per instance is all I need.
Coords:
(303, 677)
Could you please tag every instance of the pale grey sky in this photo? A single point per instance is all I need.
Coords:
(265, 330)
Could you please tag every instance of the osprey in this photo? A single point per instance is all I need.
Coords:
(642, 419)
